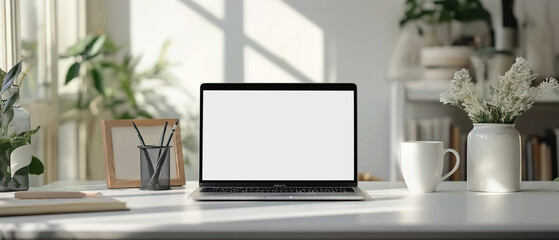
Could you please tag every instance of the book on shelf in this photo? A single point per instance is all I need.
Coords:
(455, 144)
(523, 165)
(555, 154)
(425, 130)
(444, 124)
(536, 152)
(412, 133)
(551, 136)
(529, 156)
(540, 156)
(545, 161)
(463, 157)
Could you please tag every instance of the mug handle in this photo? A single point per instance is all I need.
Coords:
(455, 165)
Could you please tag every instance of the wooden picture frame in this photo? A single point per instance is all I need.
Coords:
(122, 156)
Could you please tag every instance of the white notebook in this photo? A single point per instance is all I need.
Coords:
(12, 206)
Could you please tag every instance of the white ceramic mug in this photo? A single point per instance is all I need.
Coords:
(422, 164)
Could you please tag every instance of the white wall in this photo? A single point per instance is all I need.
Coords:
(277, 41)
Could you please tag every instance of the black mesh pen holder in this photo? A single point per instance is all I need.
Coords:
(154, 167)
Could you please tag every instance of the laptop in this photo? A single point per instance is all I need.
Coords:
(275, 141)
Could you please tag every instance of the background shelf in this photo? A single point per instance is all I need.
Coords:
(419, 99)
(430, 90)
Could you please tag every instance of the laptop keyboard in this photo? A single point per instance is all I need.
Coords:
(277, 189)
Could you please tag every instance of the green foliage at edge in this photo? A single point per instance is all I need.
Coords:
(447, 10)
(9, 143)
(95, 53)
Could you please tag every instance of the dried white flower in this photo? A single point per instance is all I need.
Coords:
(510, 100)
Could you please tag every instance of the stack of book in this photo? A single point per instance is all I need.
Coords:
(540, 156)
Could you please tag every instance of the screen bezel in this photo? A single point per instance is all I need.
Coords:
(275, 87)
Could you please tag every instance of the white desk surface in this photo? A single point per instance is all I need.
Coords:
(393, 213)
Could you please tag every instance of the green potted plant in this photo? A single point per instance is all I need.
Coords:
(16, 161)
(108, 84)
(435, 14)
(494, 148)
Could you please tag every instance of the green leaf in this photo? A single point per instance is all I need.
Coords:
(98, 81)
(110, 47)
(5, 150)
(145, 114)
(445, 16)
(93, 48)
(13, 99)
(107, 64)
(23, 138)
(125, 115)
(36, 167)
(2, 75)
(10, 77)
(5, 142)
(19, 142)
(7, 118)
(556, 180)
(26, 136)
(33, 131)
(22, 172)
(115, 103)
(126, 86)
(73, 72)
(93, 56)
(78, 48)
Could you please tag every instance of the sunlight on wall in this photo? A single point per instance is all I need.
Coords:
(214, 7)
(270, 42)
(295, 41)
(68, 168)
(197, 45)
(196, 55)
(66, 24)
(260, 69)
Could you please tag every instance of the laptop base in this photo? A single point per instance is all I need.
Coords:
(358, 195)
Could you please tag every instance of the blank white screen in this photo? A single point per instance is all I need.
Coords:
(278, 135)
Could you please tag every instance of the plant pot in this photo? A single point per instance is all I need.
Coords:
(494, 158)
(19, 182)
(14, 175)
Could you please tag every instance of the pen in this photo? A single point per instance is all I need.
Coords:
(162, 139)
(172, 132)
(150, 165)
(160, 161)
(139, 134)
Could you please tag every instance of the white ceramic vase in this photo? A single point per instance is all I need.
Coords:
(494, 158)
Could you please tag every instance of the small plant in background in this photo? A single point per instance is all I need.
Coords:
(114, 85)
(434, 13)
(11, 139)
(445, 11)
(514, 95)
(96, 54)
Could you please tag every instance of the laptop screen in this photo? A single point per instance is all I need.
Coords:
(278, 135)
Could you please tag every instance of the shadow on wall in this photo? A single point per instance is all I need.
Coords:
(282, 41)
(290, 51)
